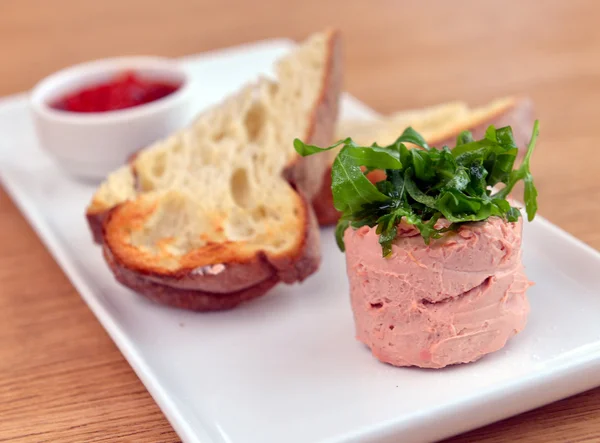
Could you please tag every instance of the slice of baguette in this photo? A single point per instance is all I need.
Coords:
(439, 125)
(219, 212)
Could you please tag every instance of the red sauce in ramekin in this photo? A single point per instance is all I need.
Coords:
(125, 90)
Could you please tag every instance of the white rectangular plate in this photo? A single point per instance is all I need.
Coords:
(286, 368)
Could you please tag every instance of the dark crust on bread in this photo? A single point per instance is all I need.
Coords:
(519, 116)
(308, 259)
(323, 202)
(306, 173)
(229, 278)
(194, 300)
(237, 283)
(96, 223)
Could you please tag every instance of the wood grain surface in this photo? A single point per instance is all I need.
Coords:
(61, 377)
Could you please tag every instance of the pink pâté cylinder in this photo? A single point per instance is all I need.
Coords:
(453, 301)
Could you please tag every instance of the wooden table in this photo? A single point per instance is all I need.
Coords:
(61, 377)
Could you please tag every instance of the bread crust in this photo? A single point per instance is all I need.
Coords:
(190, 299)
(225, 284)
(307, 173)
(233, 284)
(95, 222)
(519, 115)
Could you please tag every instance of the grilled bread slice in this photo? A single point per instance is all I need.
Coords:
(439, 125)
(219, 212)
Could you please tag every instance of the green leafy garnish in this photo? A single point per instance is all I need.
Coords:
(424, 185)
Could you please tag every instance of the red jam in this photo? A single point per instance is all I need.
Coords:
(123, 91)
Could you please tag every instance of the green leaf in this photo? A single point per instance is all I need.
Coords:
(405, 153)
(421, 162)
(501, 166)
(530, 197)
(414, 191)
(387, 231)
(502, 206)
(396, 180)
(423, 185)
(477, 179)
(428, 230)
(464, 137)
(444, 166)
(512, 214)
(350, 188)
(479, 149)
(490, 133)
(505, 137)
(530, 194)
(340, 228)
(411, 136)
(459, 181)
(304, 150)
(375, 157)
(524, 173)
(458, 207)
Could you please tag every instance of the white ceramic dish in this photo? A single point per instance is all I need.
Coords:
(286, 368)
(89, 146)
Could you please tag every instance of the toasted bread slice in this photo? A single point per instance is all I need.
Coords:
(220, 212)
(439, 125)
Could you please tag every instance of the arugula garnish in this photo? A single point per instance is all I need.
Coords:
(425, 184)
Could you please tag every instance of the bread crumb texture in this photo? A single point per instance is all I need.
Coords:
(213, 192)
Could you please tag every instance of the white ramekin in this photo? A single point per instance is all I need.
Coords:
(90, 145)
